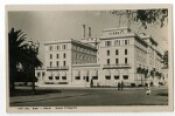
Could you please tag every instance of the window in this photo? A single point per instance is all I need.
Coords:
(50, 64)
(108, 61)
(64, 47)
(50, 56)
(126, 42)
(108, 52)
(50, 48)
(108, 77)
(87, 78)
(43, 74)
(117, 42)
(57, 56)
(38, 74)
(57, 63)
(116, 60)
(126, 51)
(64, 55)
(77, 77)
(116, 52)
(125, 77)
(116, 77)
(58, 47)
(126, 61)
(64, 77)
(50, 77)
(57, 77)
(108, 43)
(64, 63)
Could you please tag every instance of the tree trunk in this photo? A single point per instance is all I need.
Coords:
(33, 80)
(12, 77)
(12, 87)
(33, 87)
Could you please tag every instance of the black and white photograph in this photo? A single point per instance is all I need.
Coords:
(89, 58)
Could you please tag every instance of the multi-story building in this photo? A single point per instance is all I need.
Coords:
(60, 58)
(119, 55)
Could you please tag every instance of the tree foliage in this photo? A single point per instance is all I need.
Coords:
(165, 59)
(152, 16)
(23, 55)
(145, 17)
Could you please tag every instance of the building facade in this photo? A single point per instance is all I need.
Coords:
(119, 55)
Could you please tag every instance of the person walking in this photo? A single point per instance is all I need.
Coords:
(148, 90)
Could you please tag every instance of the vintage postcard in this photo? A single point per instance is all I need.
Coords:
(105, 58)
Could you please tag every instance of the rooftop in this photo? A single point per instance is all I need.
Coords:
(120, 28)
(86, 65)
(70, 41)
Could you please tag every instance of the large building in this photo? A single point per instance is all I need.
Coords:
(119, 55)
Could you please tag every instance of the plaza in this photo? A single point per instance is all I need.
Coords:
(89, 97)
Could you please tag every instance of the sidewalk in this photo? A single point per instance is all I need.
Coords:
(89, 88)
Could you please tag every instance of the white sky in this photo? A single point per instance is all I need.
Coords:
(44, 26)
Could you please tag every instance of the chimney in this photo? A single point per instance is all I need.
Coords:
(89, 32)
(84, 31)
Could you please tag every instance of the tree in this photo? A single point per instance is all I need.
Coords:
(146, 72)
(17, 47)
(149, 16)
(139, 71)
(31, 62)
(165, 59)
(142, 71)
(24, 54)
(157, 73)
(152, 16)
(152, 72)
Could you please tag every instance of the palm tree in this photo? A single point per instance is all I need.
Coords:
(31, 62)
(146, 73)
(139, 71)
(23, 53)
(152, 73)
(157, 73)
(16, 49)
(165, 59)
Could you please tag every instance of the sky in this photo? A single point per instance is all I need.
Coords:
(43, 26)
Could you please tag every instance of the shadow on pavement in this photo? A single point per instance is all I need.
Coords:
(162, 94)
(28, 92)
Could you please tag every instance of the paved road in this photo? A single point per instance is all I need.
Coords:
(95, 97)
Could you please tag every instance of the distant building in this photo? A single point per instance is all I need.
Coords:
(119, 55)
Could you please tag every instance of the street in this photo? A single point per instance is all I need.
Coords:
(93, 97)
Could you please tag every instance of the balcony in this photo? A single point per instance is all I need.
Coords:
(58, 68)
(116, 66)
